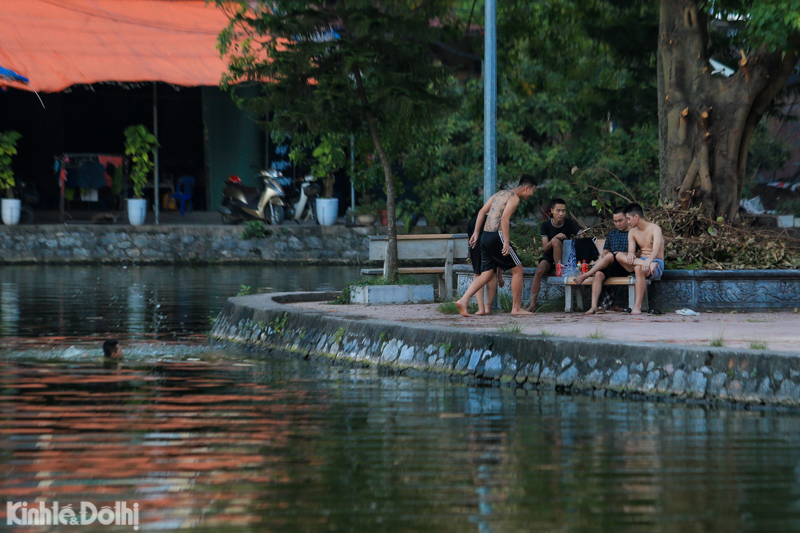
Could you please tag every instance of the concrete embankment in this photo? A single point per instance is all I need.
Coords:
(183, 244)
(529, 361)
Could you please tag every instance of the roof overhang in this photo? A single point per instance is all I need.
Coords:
(60, 43)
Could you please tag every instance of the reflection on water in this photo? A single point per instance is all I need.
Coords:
(141, 302)
(286, 445)
(214, 440)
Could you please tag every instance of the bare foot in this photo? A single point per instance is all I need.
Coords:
(532, 307)
(462, 309)
(580, 279)
(520, 312)
(487, 311)
(636, 311)
(500, 281)
(591, 311)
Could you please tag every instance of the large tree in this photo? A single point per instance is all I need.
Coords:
(706, 119)
(332, 68)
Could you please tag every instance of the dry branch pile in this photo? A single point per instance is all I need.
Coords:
(694, 241)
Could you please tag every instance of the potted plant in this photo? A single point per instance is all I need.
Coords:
(139, 144)
(329, 157)
(8, 148)
(407, 212)
(366, 213)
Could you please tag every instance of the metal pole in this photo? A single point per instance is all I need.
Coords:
(490, 102)
(155, 152)
(352, 173)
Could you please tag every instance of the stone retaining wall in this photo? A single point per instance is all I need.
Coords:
(695, 289)
(183, 244)
(266, 322)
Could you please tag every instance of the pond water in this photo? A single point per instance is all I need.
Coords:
(218, 440)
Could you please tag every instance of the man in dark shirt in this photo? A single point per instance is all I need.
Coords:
(608, 266)
(554, 232)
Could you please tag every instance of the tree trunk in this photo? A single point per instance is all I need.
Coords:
(391, 248)
(706, 122)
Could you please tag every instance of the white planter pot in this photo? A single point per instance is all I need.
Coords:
(11, 211)
(327, 211)
(137, 211)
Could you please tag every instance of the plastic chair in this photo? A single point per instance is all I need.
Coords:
(183, 193)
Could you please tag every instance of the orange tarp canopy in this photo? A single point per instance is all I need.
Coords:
(59, 43)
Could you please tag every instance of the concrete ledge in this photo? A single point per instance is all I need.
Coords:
(655, 371)
(391, 294)
(172, 244)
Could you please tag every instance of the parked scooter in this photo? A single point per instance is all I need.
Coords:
(300, 197)
(28, 197)
(240, 202)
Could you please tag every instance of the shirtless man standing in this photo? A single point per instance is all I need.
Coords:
(650, 264)
(496, 249)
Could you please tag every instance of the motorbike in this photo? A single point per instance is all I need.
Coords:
(300, 197)
(240, 202)
(28, 197)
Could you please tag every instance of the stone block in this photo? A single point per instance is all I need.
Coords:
(391, 294)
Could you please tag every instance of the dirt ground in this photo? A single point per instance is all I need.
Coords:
(776, 331)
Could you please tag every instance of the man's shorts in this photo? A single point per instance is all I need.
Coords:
(659, 271)
(492, 252)
(476, 259)
(615, 270)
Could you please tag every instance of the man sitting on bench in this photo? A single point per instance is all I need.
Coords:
(608, 266)
(648, 238)
(554, 232)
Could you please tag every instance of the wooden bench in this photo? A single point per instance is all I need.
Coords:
(569, 283)
(446, 248)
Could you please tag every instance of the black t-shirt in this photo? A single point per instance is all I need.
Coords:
(570, 228)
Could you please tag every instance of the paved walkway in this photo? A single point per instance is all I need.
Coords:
(777, 331)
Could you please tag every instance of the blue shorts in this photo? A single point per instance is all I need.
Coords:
(659, 271)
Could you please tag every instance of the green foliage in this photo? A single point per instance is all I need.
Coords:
(510, 328)
(337, 337)
(717, 341)
(597, 334)
(766, 153)
(588, 68)
(244, 290)
(527, 241)
(329, 156)
(8, 149)
(278, 323)
(255, 229)
(406, 211)
(139, 144)
(772, 23)
(450, 308)
(758, 345)
(789, 206)
(330, 67)
(506, 301)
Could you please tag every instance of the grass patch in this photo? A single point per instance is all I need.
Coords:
(546, 333)
(717, 342)
(344, 296)
(510, 328)
(598, 334)
(506, 301)
(450, 308)
(553, 306)
(758, 345)
(756, 320)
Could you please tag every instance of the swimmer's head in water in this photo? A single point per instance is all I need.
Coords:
(112, 349)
